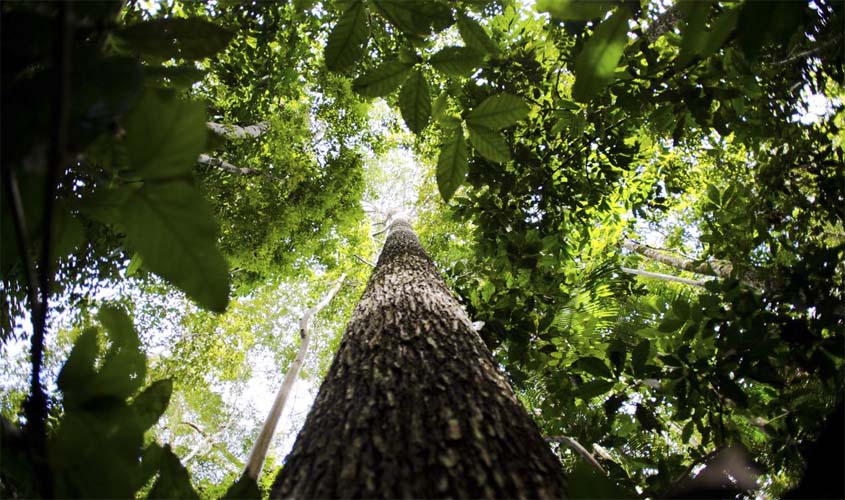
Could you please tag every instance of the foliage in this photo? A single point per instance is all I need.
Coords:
(545, 139)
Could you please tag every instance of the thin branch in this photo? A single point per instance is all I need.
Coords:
(713, 268)
(22, 234)
(661, 276)
(228, 167)
(575, 445)
(255, 462)
(807, 53)
(238, 132)
(365, 261)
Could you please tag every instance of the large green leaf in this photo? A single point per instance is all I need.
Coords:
(452, 165)
(490, 144)
(348, 39)
(475, 36)
(382, 80)
(576, 10)
(191, 38)
(173, 478)
(587, 483)
(415, 17)
(456, 61)
(165, 136)
(173, 229)
(124, 366)
(415, 102)
(151, 403)
(694, 33)
(596, 64)
(79, 367)
(498, 111)
(640, 357)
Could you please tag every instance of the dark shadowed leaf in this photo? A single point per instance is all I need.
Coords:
(415, 17)
(415, 102)
(348, 38)
(594, 366)
(585, 482)
(151, 403)
(382, 80)
(456, 61)
(596, 64)
(173, 229)
(475, 37)
(498, 112)
(191, 38)
(451, 165)
(173, 478)
(490, 144)
(592, 389)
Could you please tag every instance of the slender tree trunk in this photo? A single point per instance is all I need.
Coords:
(262, 443)
(414, 405)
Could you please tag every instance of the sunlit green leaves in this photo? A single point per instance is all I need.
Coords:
(451, 164)
(596, 63)
(498, 112)
(382, 80)
(172, 228)
(489, 144)
(475, 37)
(576, 10)
(348, 38)
(191, 38)
(165, 136)
(456, 61)
(415, 102)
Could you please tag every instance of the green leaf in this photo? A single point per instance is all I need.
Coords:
(382, 80)
(119, 325)
(680, 307)
(124, 367)
(348, 38)
(596, 64)
(593, 388)
(415, 17)
(456, 61)
(192, 38)
(489, 144)
(173, 479)
(475, 37)
(415, 102)
(151, 404)
(179, 77)
(640, 357)
(669, 325)
(594, 366)
(575, 10)
(244, 488)
(451, 165)
(646, 418)
(79, 367)
(173, 229)
(164, 137)
(694, 33)
(588, 483)
(723, 27)
(498, 111)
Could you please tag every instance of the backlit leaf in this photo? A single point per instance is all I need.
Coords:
(152, 402)
(498, 112)
(596, 64)
(382, 80)
(415, 102)
(575, 10)
(348, 38)
(475, 37)
(489, 144)
(451, 165)
(456, 61)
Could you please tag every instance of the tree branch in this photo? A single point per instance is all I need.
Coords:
(713, 268)
(238, 132)
(661, 276)
(575, 445)
(228, 167)
(259, 452)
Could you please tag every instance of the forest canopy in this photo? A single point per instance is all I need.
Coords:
(639, 203)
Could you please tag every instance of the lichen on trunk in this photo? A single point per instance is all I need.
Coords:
(413, 405)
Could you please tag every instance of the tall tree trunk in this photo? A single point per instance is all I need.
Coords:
(413, 404)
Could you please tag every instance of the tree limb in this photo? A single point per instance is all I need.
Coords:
(575, 445)
(228, 167)
(238, 132)
(713, 268)
(259, 452)
(661, 276)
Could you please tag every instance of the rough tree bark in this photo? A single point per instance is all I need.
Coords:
(413, 405)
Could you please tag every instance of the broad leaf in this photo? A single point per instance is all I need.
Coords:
(173, 478)
(596, 64)
(415, 17)
(415, 102)
(456, 61)
(587, 483)
(382, 80)
(489, 144)
(594, 366)
(498, 111)
(575, 10)
(164, 137)
(695, 29)
(475, 37)
(151, 404)
(593, 388)
(79, 367)
(191, 38)
(348, 38)
(452, 165)
(173, 229)
(640, 357)
(125, 365)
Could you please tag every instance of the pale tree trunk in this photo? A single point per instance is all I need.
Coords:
(262, 443)
(228, 167)
(238, 132)
(414, 405)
